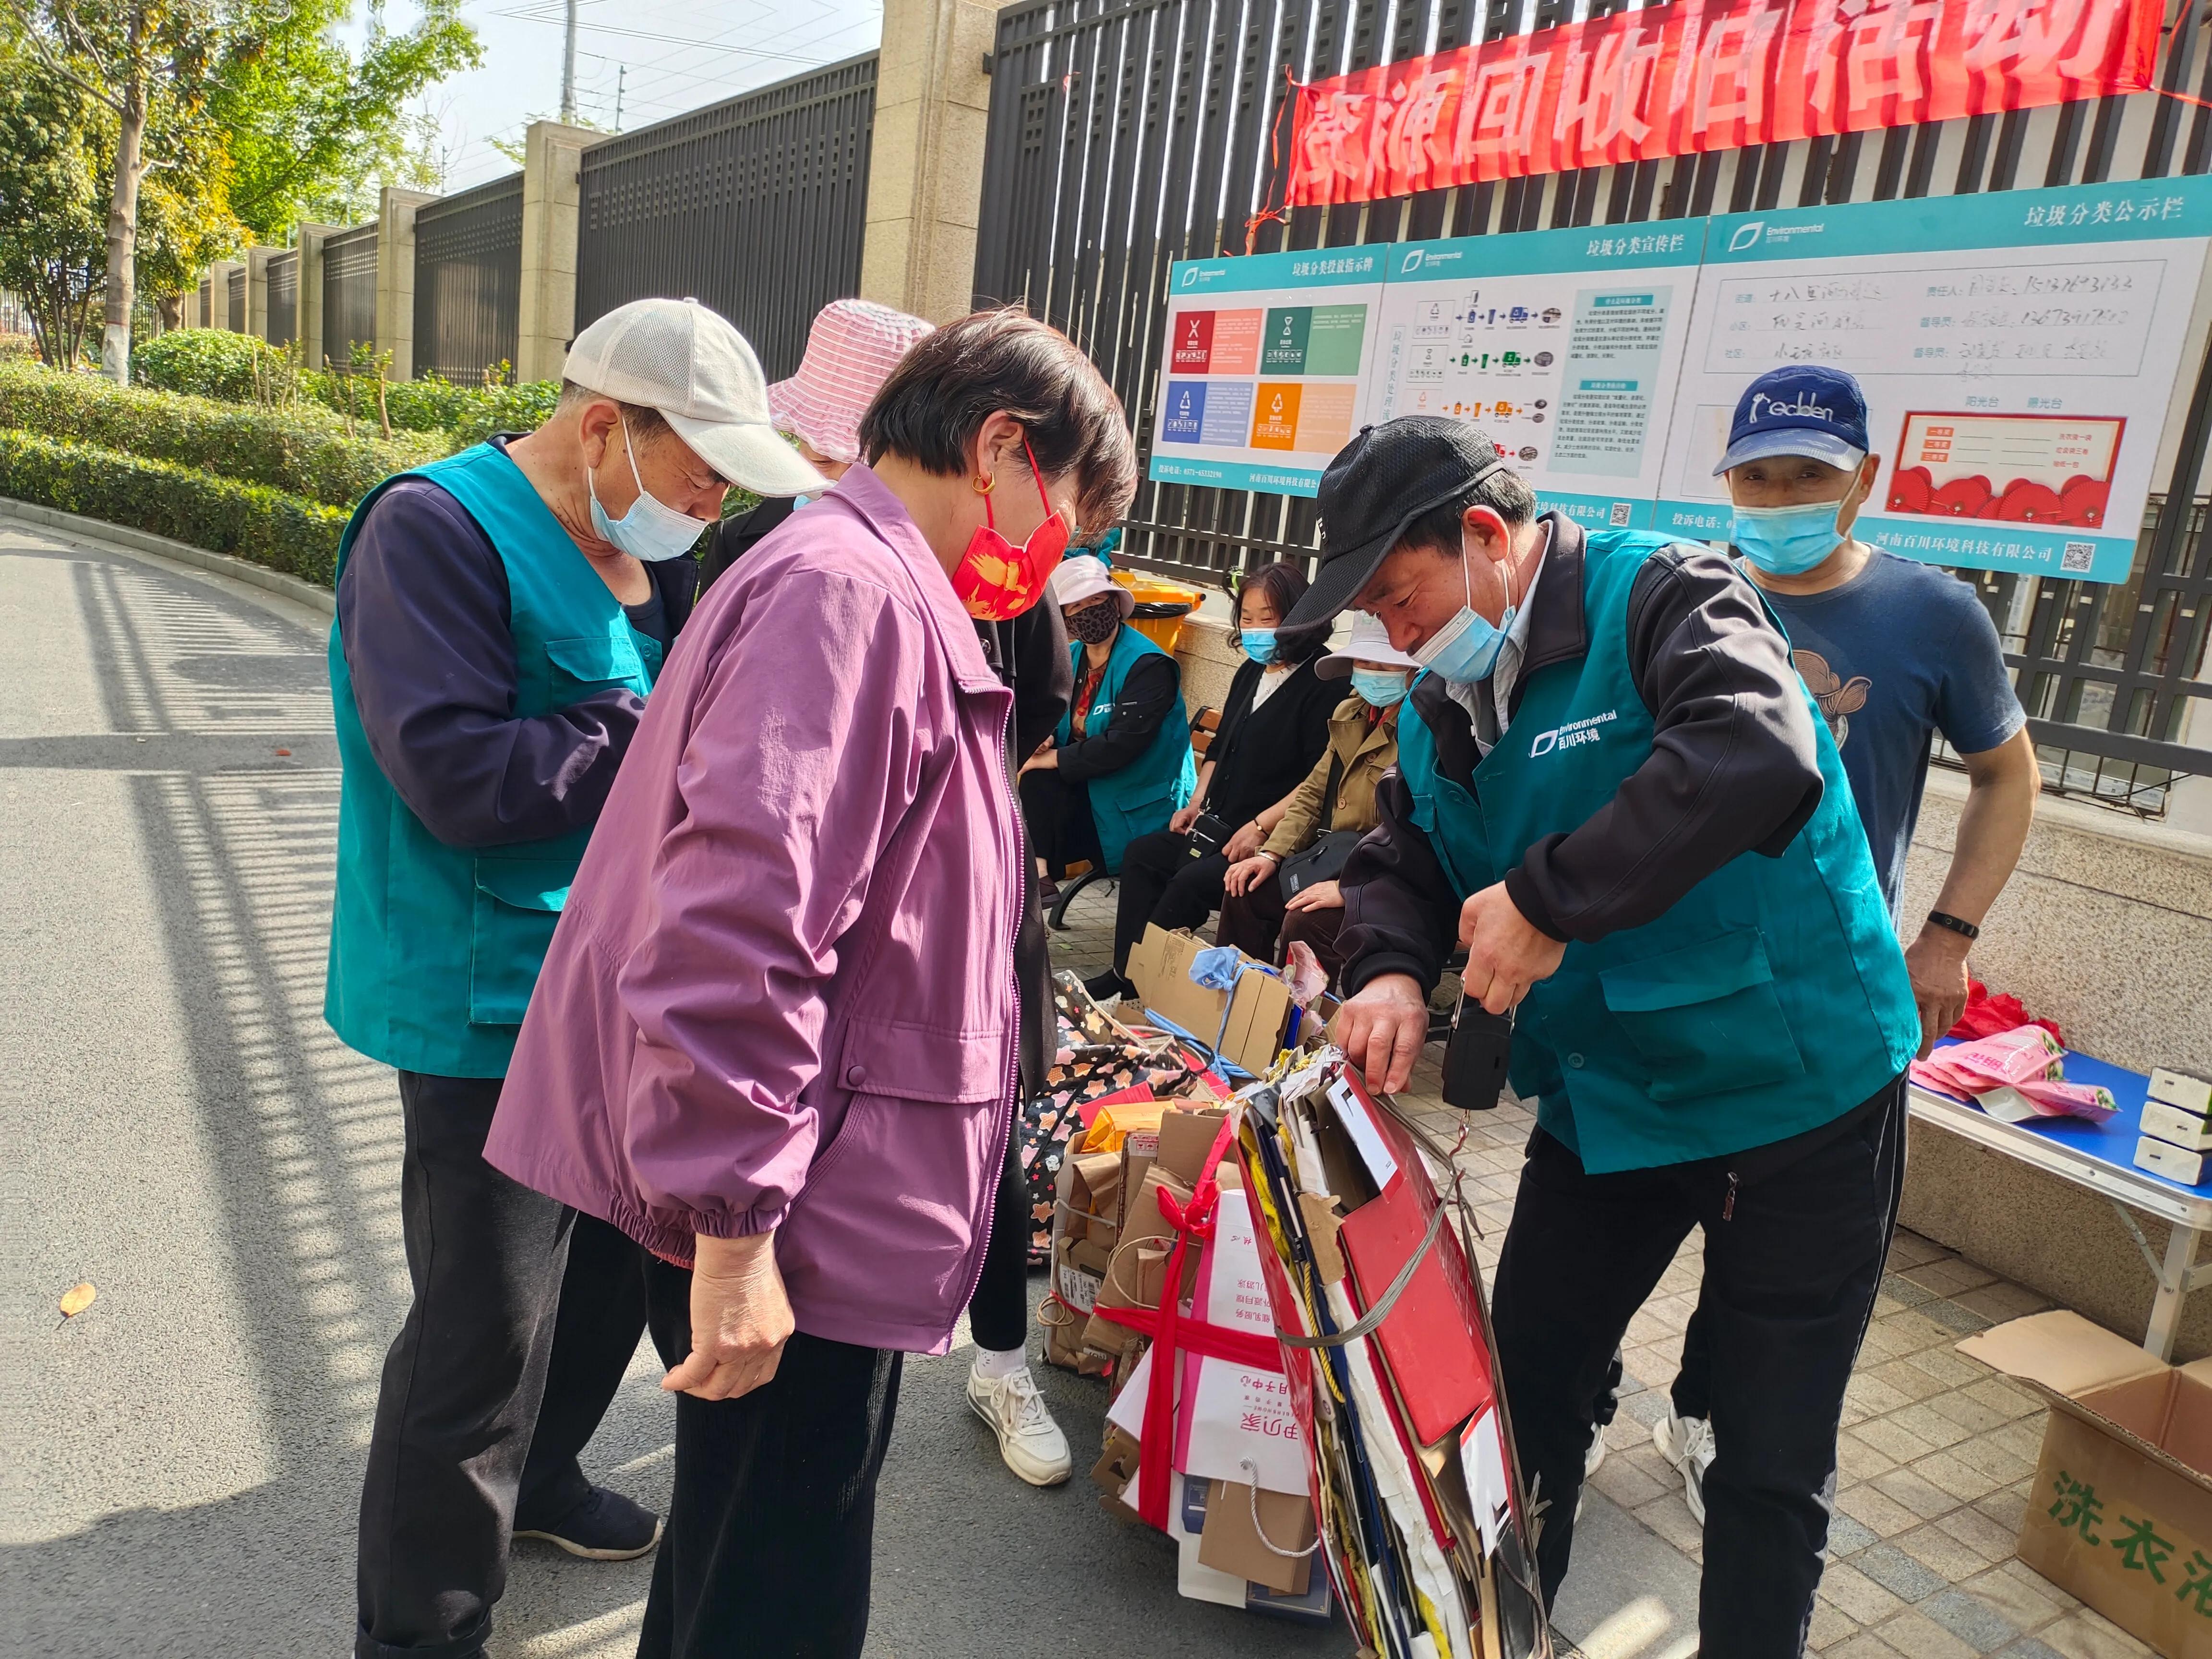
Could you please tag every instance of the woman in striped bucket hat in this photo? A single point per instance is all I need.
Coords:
(852, 346)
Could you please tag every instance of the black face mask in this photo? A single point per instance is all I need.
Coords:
(1094, 624)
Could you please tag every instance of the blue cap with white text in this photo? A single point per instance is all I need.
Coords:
(1807, 409)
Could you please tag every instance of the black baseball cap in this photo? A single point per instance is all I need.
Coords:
(1378, 484)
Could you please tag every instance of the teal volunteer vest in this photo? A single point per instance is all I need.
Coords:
(1771, 999)
(435, 949)
(1145, 794)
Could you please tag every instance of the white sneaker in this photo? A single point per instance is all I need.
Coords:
(1029, 1440)
(1595, 1455)
(1687, 1444)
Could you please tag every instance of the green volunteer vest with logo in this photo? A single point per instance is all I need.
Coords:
(1143, 795)
(1771, 999)
(435, 949)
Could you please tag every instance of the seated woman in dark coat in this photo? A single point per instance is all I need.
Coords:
(1275, 725)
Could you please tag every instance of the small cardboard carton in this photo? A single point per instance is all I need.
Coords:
(1250, 1026)
(2121, 1511)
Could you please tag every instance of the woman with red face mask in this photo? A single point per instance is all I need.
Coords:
(774, 1038)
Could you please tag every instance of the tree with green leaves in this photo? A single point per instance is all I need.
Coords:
(249, 109)
(52, 242)
(311, 126)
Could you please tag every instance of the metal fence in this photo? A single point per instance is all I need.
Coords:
(468, 280)
(1127, 133)
(204, 317)
(234, 301)
(282, 275)
(348, 293)
(755, 206)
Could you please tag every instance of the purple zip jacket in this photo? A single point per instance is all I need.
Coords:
(781, 994)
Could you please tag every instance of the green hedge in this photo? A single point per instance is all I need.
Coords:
(468, 413)
(213, 362)
(202, 362)
(250, 520)
(302, 452)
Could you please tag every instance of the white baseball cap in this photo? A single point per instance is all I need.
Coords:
(1081, 577)
(686, 361)
(1369, 642)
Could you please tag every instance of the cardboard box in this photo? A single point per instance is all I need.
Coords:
(2177, 1126)
(2174, 1162)
(1250, 1035)
(2191, 1094)
(2120, 1513)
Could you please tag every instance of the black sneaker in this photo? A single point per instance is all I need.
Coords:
(1104, 987)
(604, 1527)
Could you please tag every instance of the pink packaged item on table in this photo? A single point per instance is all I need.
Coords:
(2016, 1076)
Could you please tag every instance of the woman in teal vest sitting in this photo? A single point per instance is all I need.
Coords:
(1120, 765)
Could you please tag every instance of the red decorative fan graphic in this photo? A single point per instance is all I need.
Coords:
(2007, 469)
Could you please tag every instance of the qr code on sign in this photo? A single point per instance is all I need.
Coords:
(1621, 510)
(2078, 558)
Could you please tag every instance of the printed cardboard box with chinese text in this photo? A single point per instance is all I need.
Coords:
(2121, 1511)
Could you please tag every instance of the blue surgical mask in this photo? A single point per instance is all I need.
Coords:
(1381, 687)
(1465, 651)
(1259, 643)
(1787, 541)
(652, 530)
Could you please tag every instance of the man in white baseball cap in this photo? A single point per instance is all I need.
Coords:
(501, 615)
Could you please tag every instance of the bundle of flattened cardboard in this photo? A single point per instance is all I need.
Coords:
(1428, 1535)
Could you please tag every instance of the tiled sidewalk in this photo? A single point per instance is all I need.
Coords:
(1936, 1456)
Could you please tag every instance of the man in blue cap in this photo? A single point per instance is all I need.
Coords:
(1616, 795)
(1895, 653)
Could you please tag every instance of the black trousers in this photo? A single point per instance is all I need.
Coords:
(1692, 1390)
(1056, 813)
(999, 1312)
(525, 1317)
(1793, 1259)
(771, 1528)
(1162, 883)
(1259, 922)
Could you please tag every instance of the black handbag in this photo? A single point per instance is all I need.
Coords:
(1325, 859)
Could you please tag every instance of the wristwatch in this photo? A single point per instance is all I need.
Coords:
(1943, 918)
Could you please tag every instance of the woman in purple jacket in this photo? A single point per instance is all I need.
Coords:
(774, 1038)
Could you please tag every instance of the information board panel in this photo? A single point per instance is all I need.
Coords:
(1266, 367)
(2020, 351)
(1565, 345)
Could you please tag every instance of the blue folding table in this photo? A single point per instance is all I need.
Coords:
(2101, 1156)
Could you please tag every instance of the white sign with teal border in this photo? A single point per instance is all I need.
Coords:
(2020, 353)
(1564, 346)
(1265, 367)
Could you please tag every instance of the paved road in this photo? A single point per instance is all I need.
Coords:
(191, 1138)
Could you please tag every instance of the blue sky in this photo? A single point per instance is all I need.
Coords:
(678, 55)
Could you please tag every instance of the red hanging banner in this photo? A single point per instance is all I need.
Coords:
(1703, 75)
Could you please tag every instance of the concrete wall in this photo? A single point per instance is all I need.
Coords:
(2106, 927)
(312, 237)
(218, 293)
(256, 290)
(925, 157)
(552, 179)
(395, 277)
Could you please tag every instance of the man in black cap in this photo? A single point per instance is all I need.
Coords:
(1617, 796)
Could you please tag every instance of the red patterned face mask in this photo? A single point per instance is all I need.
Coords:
(997, 580)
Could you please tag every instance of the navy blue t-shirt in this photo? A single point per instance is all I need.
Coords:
(1900, 651)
